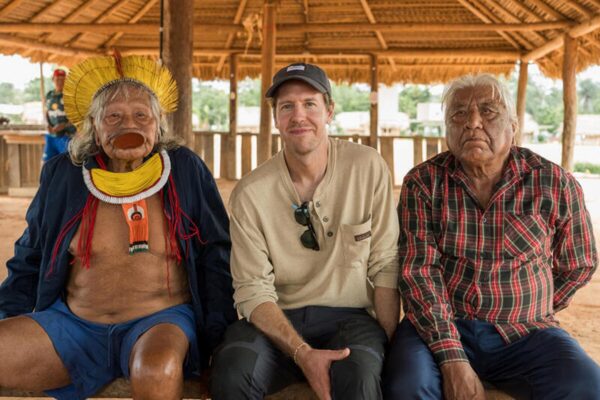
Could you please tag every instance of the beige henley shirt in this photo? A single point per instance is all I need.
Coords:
(355, 220)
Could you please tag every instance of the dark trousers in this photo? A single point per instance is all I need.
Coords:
(546, 364)
(248, 366)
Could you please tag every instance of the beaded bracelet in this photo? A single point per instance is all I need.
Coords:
(301, 345)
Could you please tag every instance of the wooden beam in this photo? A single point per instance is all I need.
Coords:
(578, 7)
(547, 9)
(569, 78)
(403, 66)
(49, 10)
(378, 34)
(137, 16)
(514, 19)
(595, 42)
(493, 12)
(374, 109)
(269, 32)
(78, 28)
(231, 35)
(144, 28)
(72, 17)
(179, 25)
(581, 29)
(422, 27)
(484, 18)
(521, 98)
(101, 18)
(47, 47)
(7, 9)
(397, 53)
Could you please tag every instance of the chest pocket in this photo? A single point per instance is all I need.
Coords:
(356, 240)
(524, 235)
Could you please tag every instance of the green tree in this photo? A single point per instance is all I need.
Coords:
(350, 97)
(32, 89)
(412, 95)
(9, 94)
(211, 105)
(588, 94)
(249, 93)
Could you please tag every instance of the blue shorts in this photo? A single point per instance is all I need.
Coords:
(95, 354)
(54, 145)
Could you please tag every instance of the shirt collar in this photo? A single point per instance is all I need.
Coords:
(520, 163)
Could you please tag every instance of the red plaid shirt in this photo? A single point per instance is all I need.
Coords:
(513, 264)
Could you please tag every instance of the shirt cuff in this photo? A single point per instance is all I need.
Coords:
(246, 308)
(386, 280)
(448, 350)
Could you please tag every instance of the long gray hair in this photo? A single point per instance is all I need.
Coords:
(499, 91)
(83, 145)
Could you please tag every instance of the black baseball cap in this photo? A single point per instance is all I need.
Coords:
(308, 73)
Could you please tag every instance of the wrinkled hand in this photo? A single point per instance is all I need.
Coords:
(315, 364)
(461, 382)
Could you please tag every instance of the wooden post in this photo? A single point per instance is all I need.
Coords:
(229, 142)
(569, 100)
(179, 41)
(42, 93)
(267, 70)
(246, 154)
(374, 106)
(387, 152)
(521, 97)
(417, 150)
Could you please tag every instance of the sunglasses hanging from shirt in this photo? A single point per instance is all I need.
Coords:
(309, 237)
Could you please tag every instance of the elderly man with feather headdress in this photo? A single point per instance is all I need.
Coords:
(123, 269)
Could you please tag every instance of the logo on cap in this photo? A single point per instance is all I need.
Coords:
(295, 68)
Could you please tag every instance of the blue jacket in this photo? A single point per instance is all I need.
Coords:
(62, 194)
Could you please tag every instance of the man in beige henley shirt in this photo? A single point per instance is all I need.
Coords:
(314, 233)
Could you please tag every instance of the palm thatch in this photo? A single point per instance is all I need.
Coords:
(413, 41)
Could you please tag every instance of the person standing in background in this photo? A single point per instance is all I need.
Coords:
(60, 130)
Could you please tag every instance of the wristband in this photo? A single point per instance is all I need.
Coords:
(301, 345)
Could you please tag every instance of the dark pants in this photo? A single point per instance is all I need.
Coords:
(546, 364)
(249, 366)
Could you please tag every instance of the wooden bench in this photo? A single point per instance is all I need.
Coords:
(198, 389)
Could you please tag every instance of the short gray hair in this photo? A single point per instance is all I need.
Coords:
(499, 91)
(83, 145)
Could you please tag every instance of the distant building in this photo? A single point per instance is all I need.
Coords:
(430, 120)
(530, 132)
(588, 129)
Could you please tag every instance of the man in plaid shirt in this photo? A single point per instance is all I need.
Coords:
(494, 240)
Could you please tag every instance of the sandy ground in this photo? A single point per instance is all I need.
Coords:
(582, 318)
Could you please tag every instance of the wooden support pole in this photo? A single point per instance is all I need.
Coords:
(417, 150)
(570, 101)
(521, 97)
(267, 70)
(42, 92)
(178, 18)
(374, 110)
(229, 142)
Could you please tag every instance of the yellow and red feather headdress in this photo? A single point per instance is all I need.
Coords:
(89, 77)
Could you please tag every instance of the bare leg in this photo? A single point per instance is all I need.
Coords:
(156, 363)
(29, 360)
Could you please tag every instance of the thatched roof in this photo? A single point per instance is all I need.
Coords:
(414, 41)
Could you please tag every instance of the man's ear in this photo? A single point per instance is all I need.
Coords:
(330, 112)
(515, 129)
(95, 132)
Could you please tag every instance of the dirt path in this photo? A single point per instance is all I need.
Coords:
(582, 318)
